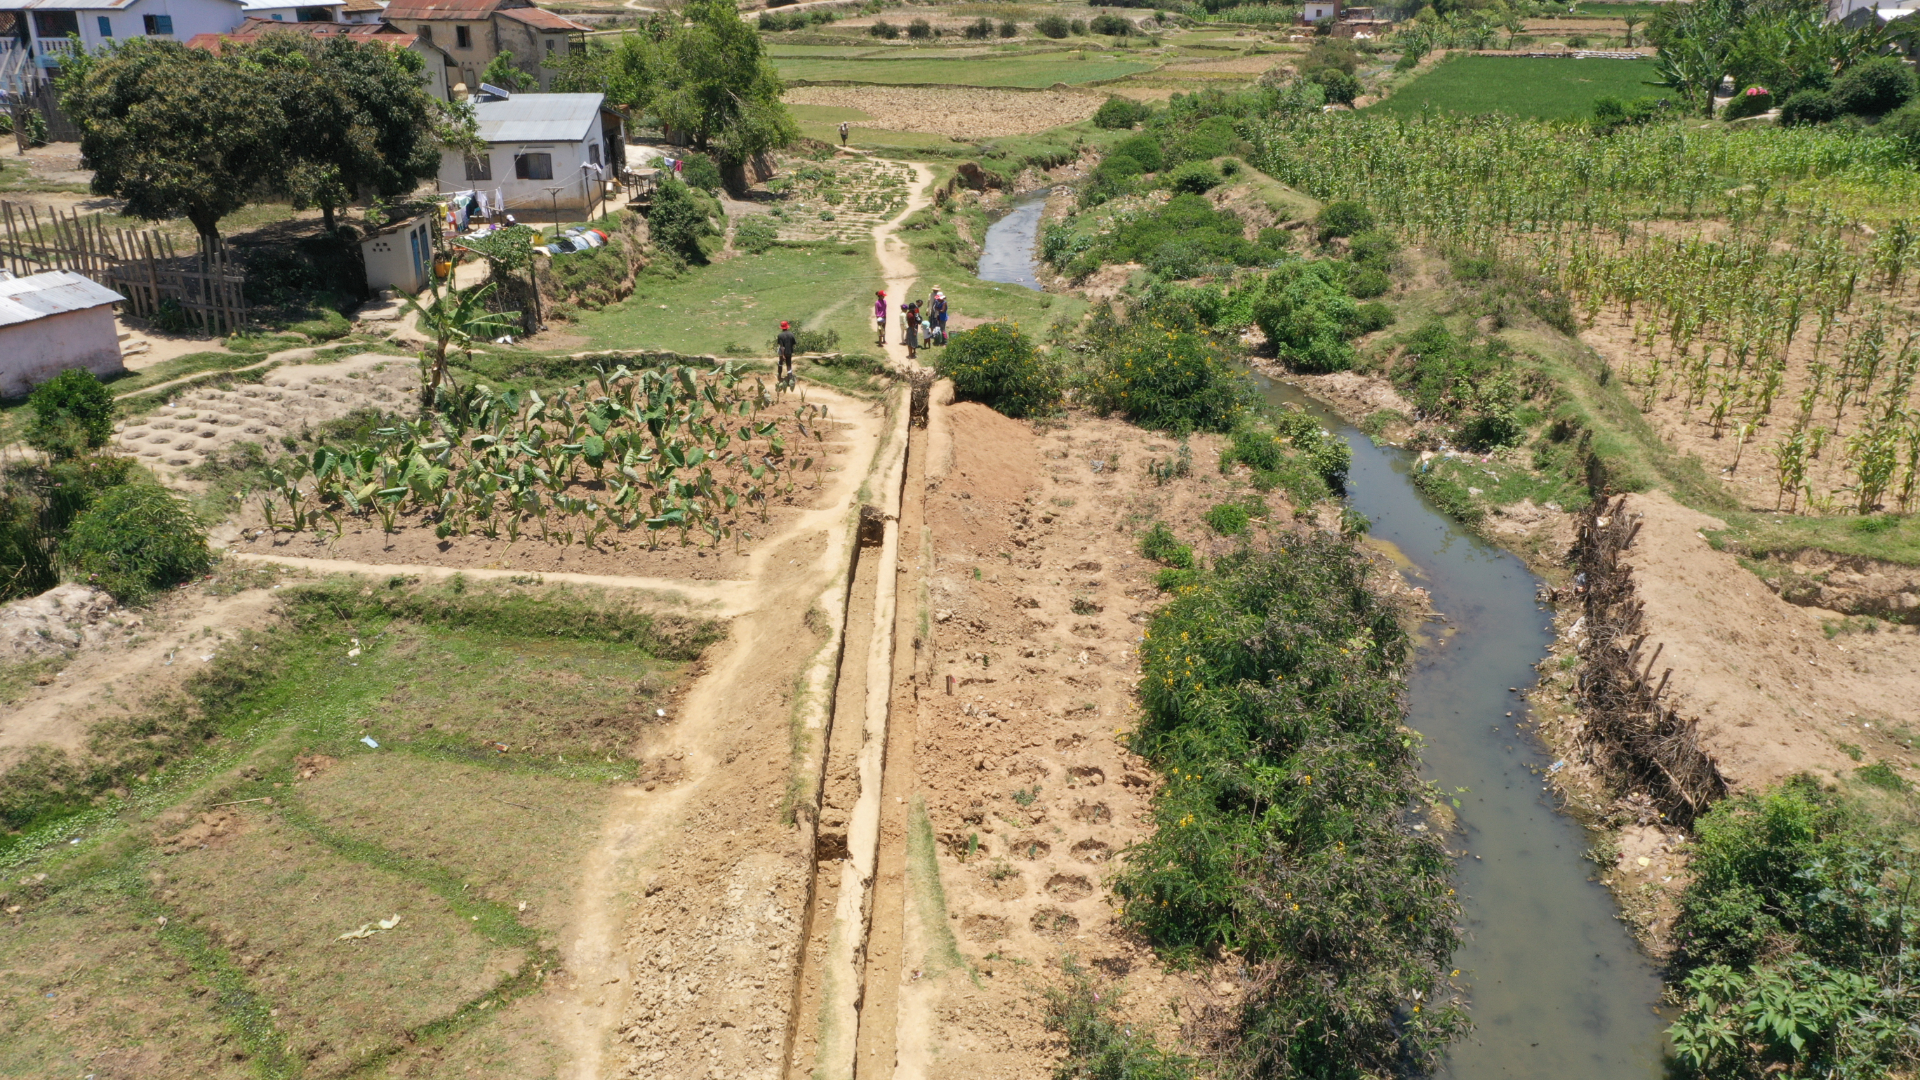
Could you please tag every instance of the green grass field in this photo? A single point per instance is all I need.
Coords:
(192, 925)
(964, 71)
(1543, 89)
(735, 307)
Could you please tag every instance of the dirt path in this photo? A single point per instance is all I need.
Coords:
(149, 651)
(723, 599)
(620, 956)
(896, 263)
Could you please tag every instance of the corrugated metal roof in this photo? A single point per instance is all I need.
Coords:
(541, 19)
(429, 10)
(52, 293)
(537, 117)
(63, 5)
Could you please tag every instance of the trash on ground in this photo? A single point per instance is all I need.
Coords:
(367, 930)
(368, 739)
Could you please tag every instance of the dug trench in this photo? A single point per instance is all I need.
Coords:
(976, 791)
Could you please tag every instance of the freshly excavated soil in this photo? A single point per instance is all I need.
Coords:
(1036, 599)
(1774, 694)
(958, 113)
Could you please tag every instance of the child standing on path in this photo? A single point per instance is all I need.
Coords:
(880, 317)
(910, 331)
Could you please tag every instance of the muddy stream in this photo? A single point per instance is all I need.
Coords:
(1007, 254)
(1557, 986)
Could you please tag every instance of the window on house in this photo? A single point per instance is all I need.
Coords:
(426, 33)
(593, 153)
(55, 25)
(463, 37)
(159, 25)
(549, 44)
(106, 26)
(479, 167)
(533, 167)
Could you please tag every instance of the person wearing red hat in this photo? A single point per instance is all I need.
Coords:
(785, 342)
(880, 317)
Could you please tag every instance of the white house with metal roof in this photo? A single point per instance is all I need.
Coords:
(40, 27)
(51, 322)
(546, 153)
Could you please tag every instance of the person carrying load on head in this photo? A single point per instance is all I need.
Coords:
(785, 343)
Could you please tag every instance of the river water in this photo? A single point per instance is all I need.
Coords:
(1008, 254)
(1559, 990)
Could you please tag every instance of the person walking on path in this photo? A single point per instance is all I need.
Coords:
(880, 317)
(843, 133)
(785, 342)
(910, 332)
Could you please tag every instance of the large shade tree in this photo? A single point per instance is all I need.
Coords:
(197, 133)
(707, 77)
(361, 121)
(175, 131)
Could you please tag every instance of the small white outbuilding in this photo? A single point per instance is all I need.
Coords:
(54, 321)
(400, 256)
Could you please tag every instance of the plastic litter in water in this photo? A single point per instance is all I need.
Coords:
(1557, 766)
(368, 739)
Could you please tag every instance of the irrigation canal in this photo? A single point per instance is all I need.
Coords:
(1558, 988)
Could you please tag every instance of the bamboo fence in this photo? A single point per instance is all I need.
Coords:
(206, 286)
(1636, 737)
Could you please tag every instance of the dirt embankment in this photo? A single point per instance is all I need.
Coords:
(1715, 665)
(1035, 600)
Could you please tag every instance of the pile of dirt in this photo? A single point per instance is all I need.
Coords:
(1037, 596)
(955, 112)
(58, 621)
(1849, 584)
(993, 457)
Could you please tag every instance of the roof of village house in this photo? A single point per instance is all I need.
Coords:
(449, 9)
(55, 292)
(251, 29)
(537, 117)
(63, 5)
(542, 19)
(364, 5)
(121, 5)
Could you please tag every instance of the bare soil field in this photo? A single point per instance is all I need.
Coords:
(1035, 599)
(961, 113)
